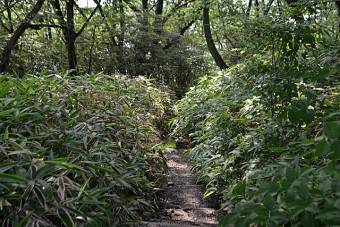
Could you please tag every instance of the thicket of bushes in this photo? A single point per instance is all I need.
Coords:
(78, 150)
(267, 137)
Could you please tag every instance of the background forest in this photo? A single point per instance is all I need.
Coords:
(88, 94)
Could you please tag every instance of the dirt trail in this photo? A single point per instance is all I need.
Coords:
(182, 202)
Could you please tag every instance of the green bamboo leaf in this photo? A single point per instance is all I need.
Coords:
(101, 169)
(26, 194)
(124, 183)
(16, 146)
(40, 197)
(7, 166)
(4, 90)
(93, 202)
(279, 149)
(23, 221)
(44, 171)
(62, 163)
(7, 112)
(5, 177)
(27, 152)
(65, 216)
(6, 135)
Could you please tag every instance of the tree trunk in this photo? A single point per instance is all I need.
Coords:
(209, 39)
(69, 32)
(71, 36)
(9, 15)
(6, 53)
(250, 3)
(145, 18)
(158, 26)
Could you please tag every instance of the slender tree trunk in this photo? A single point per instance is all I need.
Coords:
(145, 17)
(250, 3)
(121, 64)
(6, 53)
(209, 39)
(158, 26)
(69, 32)
(9, 15)
(71, 36)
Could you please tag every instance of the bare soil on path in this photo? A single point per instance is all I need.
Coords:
(182, 203)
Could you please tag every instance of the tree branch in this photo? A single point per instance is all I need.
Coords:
(175, 8)
(87, 21)
(39, 26)
(4, 60)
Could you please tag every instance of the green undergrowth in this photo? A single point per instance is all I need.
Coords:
(79, 150)
(266, 139)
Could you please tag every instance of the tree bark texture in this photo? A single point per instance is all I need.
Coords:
(71, 35)
(6, 53)
(158, 26)
(69, 32)
(209, 39)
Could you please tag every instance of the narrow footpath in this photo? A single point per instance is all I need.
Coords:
(182, 203)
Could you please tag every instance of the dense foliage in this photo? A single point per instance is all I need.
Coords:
(78, 150)
(266, 132)
(124, 37)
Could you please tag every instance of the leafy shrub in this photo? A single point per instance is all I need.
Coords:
(77, 150)
(272, 155)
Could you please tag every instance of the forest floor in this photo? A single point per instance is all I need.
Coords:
(181, 203)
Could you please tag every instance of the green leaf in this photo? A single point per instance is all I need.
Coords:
(308, 220)
(62, 163)
(4, 90)
(7, 166)
(329, 216)
(44, 171)
(5, 177)
(92, 202)
(308, 116)
(322, 148)
(337, 67)
(239, 189)
(335, 147)
(294, 116)
(101, 169)
(279, 149)
(16, 146)
(6, 135)
(65, 216)
(331, 130)
(26, 152)
(228, 219)
(269, 202)
(40, 197)
(290, 174)
(23, 221)
(7, 112)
